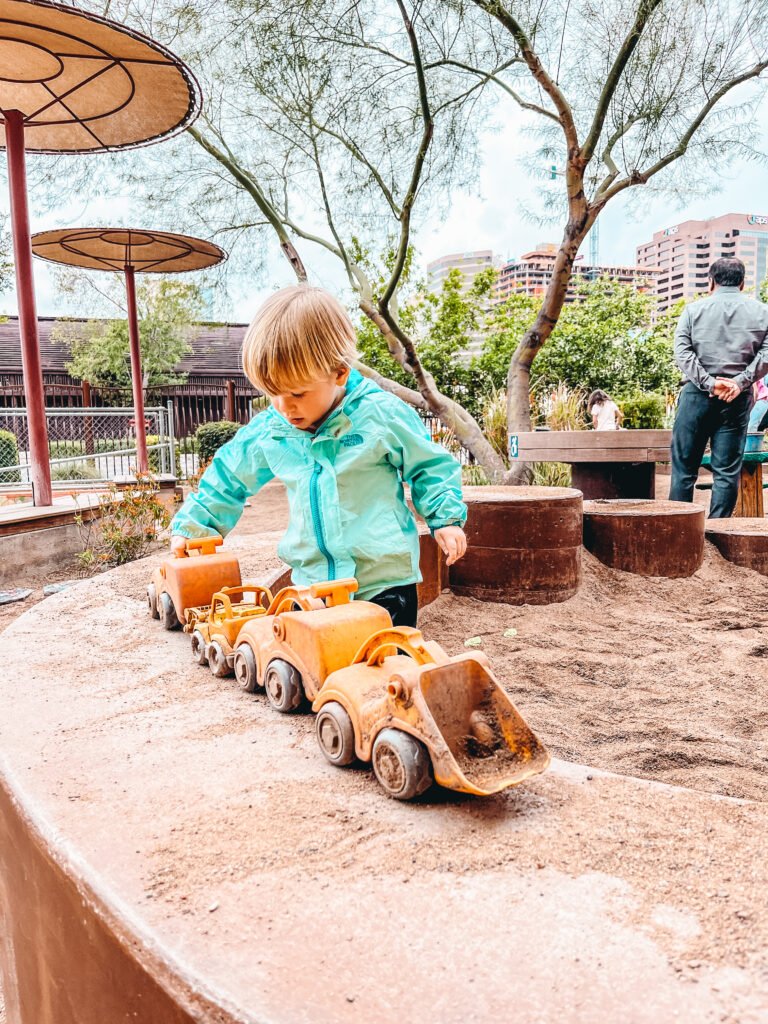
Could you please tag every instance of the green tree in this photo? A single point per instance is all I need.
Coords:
(443, 327)
(99, 351)
(324, 121)
(607, 340)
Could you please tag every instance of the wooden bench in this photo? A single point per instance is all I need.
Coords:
(606, 463)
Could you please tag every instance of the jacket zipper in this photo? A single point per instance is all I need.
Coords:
(317, 522)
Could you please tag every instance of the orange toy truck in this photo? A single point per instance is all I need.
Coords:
(190, 579)
(215, 628)
(307, 633)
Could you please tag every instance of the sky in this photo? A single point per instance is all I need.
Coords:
(490, 218)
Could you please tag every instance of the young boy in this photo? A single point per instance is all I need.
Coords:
(343, 448)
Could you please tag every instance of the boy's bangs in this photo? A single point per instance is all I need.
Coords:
(278, 373)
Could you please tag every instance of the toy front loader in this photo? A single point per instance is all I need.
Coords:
(419, 709)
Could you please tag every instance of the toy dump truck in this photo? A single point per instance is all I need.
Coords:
(417, 714)
(307, 633)
(215, 628)
(190, 579)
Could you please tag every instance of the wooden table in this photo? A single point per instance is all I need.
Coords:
(606, 463)
(749, 503)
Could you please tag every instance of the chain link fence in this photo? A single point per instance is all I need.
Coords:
(87, 445)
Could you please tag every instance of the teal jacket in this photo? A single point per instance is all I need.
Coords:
(348, 515)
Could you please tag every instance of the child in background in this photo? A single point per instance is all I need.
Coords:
(343, 447)
(758, 418)
(606, 415)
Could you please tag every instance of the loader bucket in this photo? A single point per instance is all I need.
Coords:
(489, 745)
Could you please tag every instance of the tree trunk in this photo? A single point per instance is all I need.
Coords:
(519, 375)
(453, 416)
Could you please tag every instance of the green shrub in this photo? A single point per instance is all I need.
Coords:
(131, 518)
(643, 411)
(211, 436)
(9, 456)
(154, 456)
(66, 449)
(75, 471)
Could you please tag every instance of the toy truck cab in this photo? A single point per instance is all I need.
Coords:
(290, 652)
(215, 628)
(189, 579)
(417, 714)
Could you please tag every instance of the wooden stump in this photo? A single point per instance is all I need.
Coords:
(650, 538)
(524, 545)
(742, 541)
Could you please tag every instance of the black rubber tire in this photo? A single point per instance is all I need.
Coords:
(283, 685)
(246, 671)
(198, 648)
(168, 616)
(335, 733)
(217, 660)
(401, 763)
(152, 601)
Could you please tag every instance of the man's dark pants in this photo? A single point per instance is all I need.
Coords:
(701, 418)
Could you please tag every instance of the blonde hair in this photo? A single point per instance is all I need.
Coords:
(300, 335)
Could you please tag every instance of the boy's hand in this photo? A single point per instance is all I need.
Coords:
(453, 543)
(178, 544)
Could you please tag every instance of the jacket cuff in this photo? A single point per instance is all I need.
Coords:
(438, 524)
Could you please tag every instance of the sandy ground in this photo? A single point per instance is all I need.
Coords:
(660, 679)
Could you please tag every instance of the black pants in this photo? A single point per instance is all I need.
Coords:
(401, 603)
(701, 418)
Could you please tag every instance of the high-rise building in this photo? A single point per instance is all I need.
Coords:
(684, 253)
(469, 263)
(531, 274)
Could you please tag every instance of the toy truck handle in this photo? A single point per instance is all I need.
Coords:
(286, 598)
(260, 592)
(335, 592)
(205, 545)
(379, 646)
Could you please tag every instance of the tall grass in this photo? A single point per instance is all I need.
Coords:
(565, 408)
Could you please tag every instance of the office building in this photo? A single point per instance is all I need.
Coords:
(469, 263)
(683, 254)
(531, 274)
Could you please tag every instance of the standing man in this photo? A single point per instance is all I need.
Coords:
(721, 345)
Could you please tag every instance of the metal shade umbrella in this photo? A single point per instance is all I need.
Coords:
(129, 251)
(72, 82)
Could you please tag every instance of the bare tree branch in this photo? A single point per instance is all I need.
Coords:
(644, 12)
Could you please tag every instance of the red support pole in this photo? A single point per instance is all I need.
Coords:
(138, 390)
(40, 467)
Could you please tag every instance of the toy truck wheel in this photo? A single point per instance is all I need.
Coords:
(198, 648)
(246, 672)
(217, 660)
(283, 685)
(168, 616)
(152, 601)
(335, 733)
(401, 764)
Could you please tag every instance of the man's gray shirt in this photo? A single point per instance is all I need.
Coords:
(724, 335)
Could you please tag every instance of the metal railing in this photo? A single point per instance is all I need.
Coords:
(93, 445)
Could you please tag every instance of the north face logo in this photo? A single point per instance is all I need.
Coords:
(350, 440)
